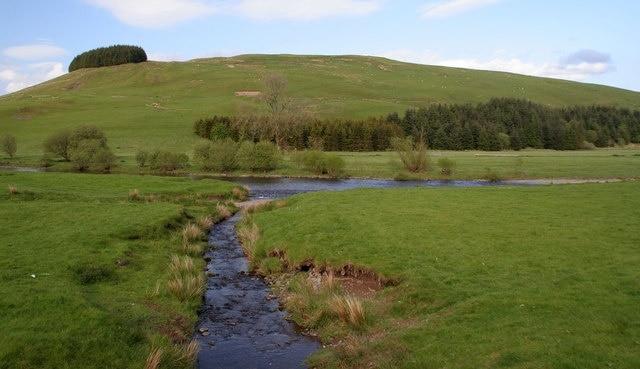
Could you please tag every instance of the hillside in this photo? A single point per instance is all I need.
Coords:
(155, 104)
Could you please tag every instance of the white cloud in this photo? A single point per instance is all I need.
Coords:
(452, 7)
(17, 77)
(155, 13)
(305, 9)
(34, 52)
(577, 66)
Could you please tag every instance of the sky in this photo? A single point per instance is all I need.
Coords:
(594, 41)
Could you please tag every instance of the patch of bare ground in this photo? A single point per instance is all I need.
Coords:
(352, 280)
(248, 93)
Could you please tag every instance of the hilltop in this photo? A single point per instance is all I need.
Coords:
(154, 104)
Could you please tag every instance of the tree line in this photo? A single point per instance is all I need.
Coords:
(499, 124)
(295, 133)
(108, 56)
(506, 123)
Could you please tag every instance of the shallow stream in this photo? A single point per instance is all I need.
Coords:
(241, 325)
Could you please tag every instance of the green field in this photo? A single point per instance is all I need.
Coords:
(65, 301)
(513, 277)
(154, 105)
(520, 277)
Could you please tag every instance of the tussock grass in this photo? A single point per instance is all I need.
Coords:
(350, 310)
(185, 281)
(249, 234)
(13, 190)
(154, 359)
(134, 194)
(223, 211)
(191, 232)
(205, 223)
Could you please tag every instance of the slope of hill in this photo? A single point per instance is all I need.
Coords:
(154, 104)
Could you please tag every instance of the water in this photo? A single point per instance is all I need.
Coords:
(241, 325)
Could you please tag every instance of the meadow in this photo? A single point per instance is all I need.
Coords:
(88, 265)
(514, 277)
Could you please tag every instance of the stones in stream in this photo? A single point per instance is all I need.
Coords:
(241, 324)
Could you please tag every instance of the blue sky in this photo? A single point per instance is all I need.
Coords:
(587, 41)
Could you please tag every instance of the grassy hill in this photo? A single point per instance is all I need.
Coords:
(154, 104)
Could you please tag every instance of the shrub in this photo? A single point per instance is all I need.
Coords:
(263, 156)
(413, 157)
(141, 158)
(167, 161)
(320, 162)
(492, 175)
(9, 144)
(91, 154)
(57, 144)
(217, 156)
(446, 165)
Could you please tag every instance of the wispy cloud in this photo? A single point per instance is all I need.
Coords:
(16, 77)
(34, 52)
(452, 7)
(155, 13)
(577, 66)
(305, 9)
(28, 65)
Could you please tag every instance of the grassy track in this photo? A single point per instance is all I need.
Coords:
(518, 277)
(56, 230)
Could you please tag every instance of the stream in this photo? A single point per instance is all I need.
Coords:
(241, 324)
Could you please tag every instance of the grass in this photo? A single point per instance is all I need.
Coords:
(85, 269)
(174, 95)
(518, 277)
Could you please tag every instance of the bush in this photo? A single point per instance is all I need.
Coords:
(167, 161)
(319, 162)
(91, 155)
(263, 156)
(57, 144)
(217, 156)
(141, 158)
(446, 165)
(9, 144)
(413, 157)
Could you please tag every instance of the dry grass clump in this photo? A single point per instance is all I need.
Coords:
(154, 358)
(189, 351)
(205, 223)
(13, 190)
(185, 281)
(240, 193)
(248, 236)
(191, 232)
(134, 194)
(350, 310)
(223, 211)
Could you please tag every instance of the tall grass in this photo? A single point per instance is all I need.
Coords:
(185, 281)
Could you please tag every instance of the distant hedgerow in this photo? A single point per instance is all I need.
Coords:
(107, 56)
